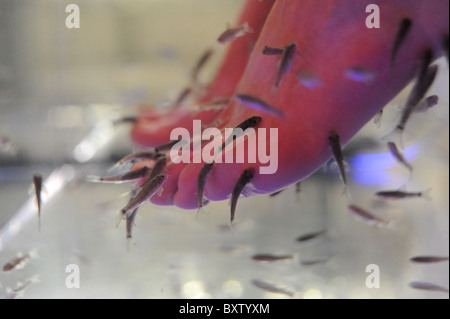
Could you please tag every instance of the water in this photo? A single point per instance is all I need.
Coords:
(60, 91)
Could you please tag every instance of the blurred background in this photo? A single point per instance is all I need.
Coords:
(61, 90)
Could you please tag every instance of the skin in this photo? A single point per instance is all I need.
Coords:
(331, 38)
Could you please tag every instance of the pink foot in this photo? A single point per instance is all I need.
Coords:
(340, 75)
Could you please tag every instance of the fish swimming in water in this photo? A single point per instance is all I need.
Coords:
(244, 179)
(126, 177)
(241, 127)
(136, 156)
(428, 259)
(273, 287)
(425, 77)
(427, 286)
(426, 104)
(402, 195)
(37, 182)
(270, 257)
(285, 64)
(146, 191)
(20, 261)
(310, 236)
(399, 156)
(335, 144)
(201, 63)
(267, 50)
(19, 291)
(201, 182)
(232, 33)
(403, 30)
(367, 216)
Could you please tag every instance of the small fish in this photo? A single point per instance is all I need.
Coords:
(359, 74)
(314, 261)
(201, 182)
(37, 182)
(169, 145)
(273, 288)
(276, 193)
(158, 167)
(426, 104)
(366, 216)
(200, 63)
(272, 50)
(428, 259)
(298, 187)
(250, 122)
(215, 102)
(126, 177)
(401, 195)
(377, 118)
(232, 33)
(140, 155)
(147, 190)
(257, 104)
(427, 286)
(425, 79)
(243, 180)
(399, 156)
(308, 79)
(19, 291)
(20, 261)
(182, 97)
(403, 30)
(270, 258)
(285, 64)
(335, 144)
(126, 119)
(310, 236)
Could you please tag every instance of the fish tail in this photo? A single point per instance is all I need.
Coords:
(202, 209)
(121, 215)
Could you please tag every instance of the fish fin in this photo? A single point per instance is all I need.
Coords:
(160, 191)
(119, 217)
(403, 30)
(202, 209)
